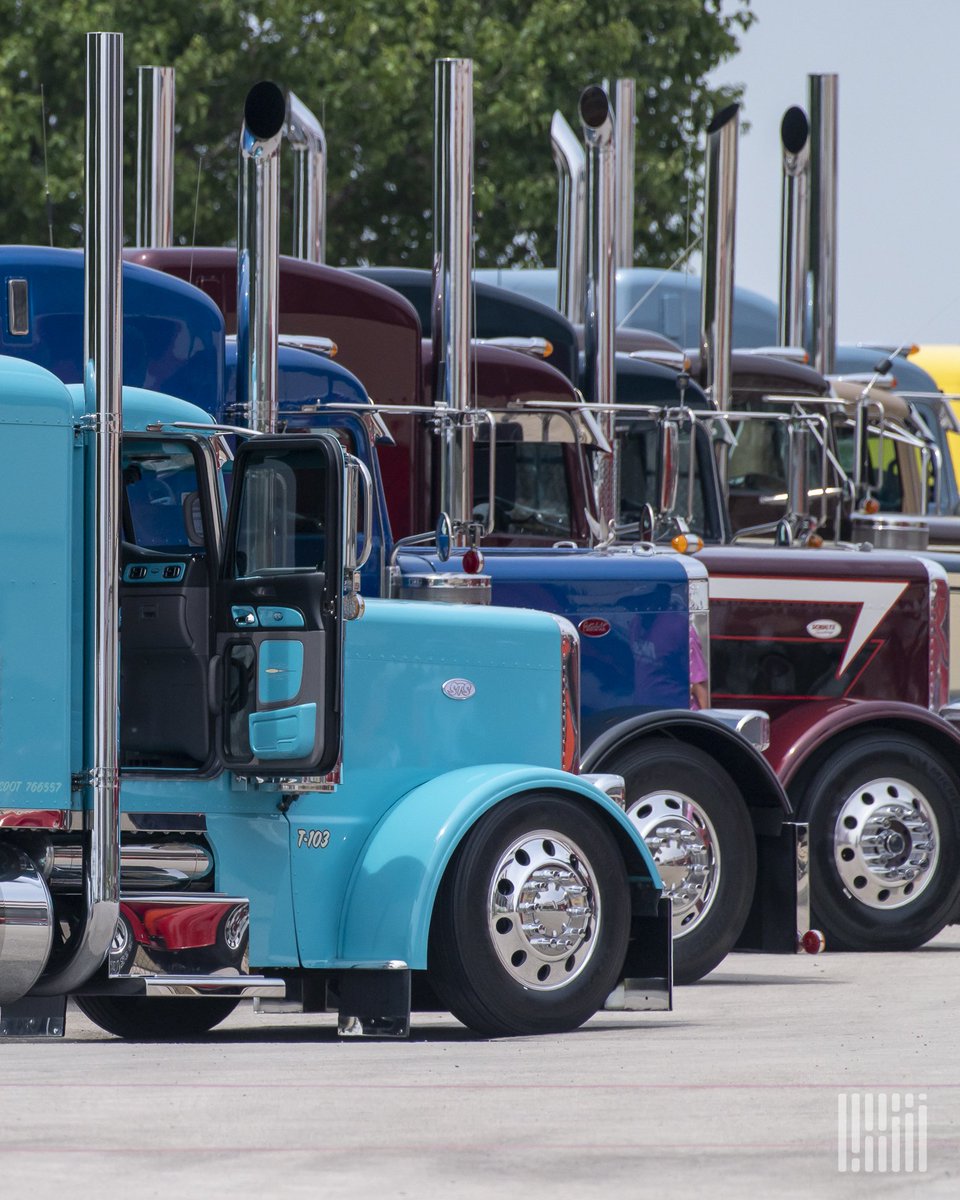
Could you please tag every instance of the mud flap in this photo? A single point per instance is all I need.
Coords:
(647, 983)
(34, 1017)
(374, 1003)
(780, 913)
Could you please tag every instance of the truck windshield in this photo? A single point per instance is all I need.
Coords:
(532, 485)
(638, 447)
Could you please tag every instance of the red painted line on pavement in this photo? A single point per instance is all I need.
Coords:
(182, 1085)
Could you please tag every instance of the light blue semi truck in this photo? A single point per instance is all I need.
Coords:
(265, 787)
(378, 798)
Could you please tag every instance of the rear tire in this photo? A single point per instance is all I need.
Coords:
(156, 1018)
(884, 819)
(696, 826)
(532, 919)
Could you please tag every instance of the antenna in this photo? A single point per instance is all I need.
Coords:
(46, 173)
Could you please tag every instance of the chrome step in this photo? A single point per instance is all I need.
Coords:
(240, 987)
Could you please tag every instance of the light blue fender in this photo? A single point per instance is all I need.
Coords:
(389, 899)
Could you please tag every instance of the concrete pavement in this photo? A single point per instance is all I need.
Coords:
(735, 1092)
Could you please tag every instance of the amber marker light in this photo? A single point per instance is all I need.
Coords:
(687, 543)
(871, 506)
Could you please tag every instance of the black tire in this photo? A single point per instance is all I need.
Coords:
(867, 780)
(473, 958)
(156, 1018)
(682, 792)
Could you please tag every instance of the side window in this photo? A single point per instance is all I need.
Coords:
(282, 522)
(161, 509)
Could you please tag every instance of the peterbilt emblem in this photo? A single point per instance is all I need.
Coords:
(824, 629)
(594, 627)
(459, 689)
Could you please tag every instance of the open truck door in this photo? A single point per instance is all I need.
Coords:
(278, 663)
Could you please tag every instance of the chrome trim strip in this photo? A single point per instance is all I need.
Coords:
(179, 900)
(103, 357)
(241, 986)
(446, 583)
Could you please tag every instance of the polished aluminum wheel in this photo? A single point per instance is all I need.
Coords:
(543, 910)
(235, 926)
(683, 843)
(886, 843)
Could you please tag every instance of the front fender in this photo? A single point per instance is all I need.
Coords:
(389, 900)
(738, 757)
(802, 733)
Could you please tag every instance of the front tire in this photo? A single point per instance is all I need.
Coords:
(532, 920)
(156, 1018)
(885, 844)
(695, 824)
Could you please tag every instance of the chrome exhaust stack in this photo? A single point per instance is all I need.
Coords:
(258, 255)
(598, 122)
(452, 285)
(103, 356)
(305, 135)
(571, 219)
(794, 226)
(625, 106)
(719, 236)
(823, 221)
(156, 96)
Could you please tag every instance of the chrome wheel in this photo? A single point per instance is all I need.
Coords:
(235, 926)
(886, 843)
(543, 910)
(683, 842)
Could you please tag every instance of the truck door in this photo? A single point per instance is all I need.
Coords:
(278, 617)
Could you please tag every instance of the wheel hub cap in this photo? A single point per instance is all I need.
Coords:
(683, 843)
(235, 926)
(543, 910)
(886, 843)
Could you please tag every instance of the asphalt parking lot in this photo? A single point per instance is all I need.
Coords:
(738, 1090)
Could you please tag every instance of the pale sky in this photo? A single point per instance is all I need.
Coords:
(899, 155)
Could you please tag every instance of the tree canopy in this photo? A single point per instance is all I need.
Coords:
(365, 67)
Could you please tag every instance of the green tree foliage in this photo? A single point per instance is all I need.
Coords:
(366, 68)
